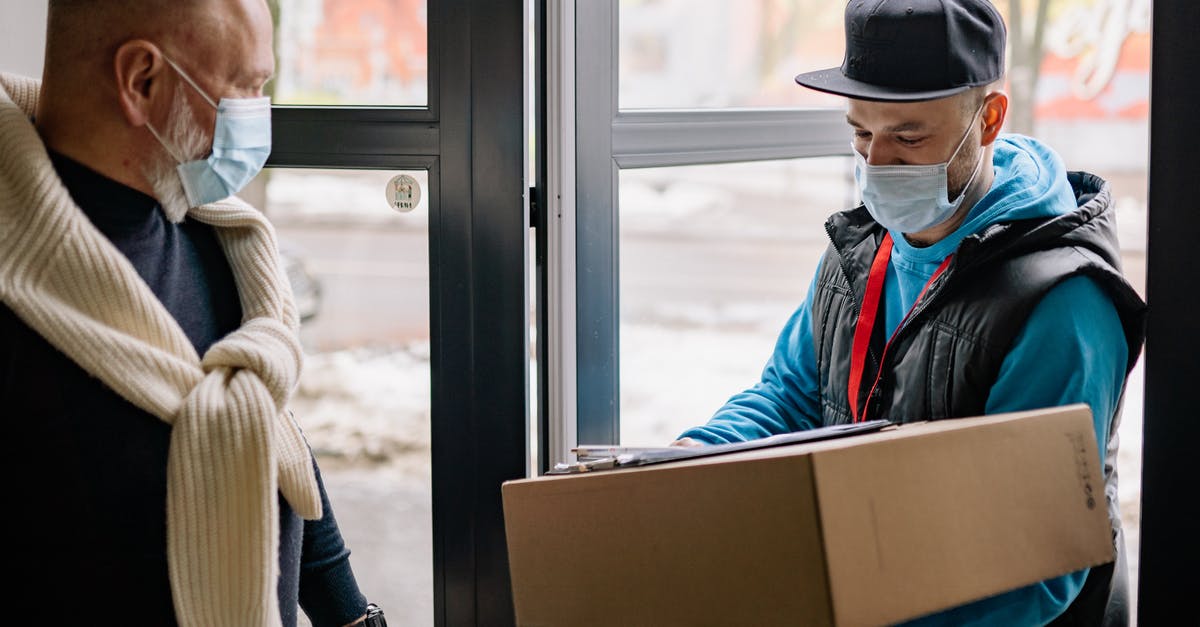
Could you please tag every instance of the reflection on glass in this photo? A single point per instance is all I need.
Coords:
(730, 53)
(352, 52)
(713, 261)
(361, 276)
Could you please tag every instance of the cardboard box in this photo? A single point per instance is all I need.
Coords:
(866, 530)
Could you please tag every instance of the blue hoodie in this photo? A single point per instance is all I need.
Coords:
(1071, 350)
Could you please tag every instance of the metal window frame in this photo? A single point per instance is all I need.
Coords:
(471, 138)
(595, 281)
(584, 403)
(556, 232)
(665, 137)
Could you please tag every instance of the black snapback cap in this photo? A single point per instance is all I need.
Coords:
(912, 50)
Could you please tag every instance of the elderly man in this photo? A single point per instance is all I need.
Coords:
(978, 277)
(148, 338)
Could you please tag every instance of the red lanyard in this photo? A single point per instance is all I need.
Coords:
(866, 322)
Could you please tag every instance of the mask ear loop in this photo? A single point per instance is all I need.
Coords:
(961, 143)
(192, 83)
(966, 133)
(189, 81)
(974, 173)
(163, 143)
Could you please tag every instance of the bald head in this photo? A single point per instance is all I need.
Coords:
(82, 35)
(107, 79)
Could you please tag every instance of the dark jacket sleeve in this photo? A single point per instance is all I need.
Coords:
(329, 593)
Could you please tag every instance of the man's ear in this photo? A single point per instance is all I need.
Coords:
(995, 109)
(139, 68)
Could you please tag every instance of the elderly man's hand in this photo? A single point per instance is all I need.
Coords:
(687, 442)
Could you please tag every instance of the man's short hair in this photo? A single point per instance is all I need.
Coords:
(972, 99)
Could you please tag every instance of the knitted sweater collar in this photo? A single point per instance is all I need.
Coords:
(234, 445)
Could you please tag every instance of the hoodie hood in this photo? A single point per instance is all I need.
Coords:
(1034, 204)
(1030, 182)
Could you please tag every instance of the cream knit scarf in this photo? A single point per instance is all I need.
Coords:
(233, 445)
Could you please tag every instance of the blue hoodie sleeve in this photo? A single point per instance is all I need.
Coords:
(1072, 350)
(784, 400)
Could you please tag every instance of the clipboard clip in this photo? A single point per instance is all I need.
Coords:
(603, 463)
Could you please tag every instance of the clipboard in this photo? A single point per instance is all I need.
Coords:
(607, 456)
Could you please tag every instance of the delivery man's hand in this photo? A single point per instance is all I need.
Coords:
(687, 442)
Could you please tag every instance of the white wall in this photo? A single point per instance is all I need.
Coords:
(22, 36)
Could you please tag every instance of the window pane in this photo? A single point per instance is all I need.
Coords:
(352, 52)
(361, 275)
(726, 53)
(713, 261)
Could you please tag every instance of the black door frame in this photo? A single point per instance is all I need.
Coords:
(1171, 428)
(471, 138)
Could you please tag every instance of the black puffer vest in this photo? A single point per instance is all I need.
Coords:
(945, 359)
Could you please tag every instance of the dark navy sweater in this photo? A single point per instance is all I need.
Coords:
(86, 469)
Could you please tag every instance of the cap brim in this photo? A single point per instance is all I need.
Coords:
(832, 81)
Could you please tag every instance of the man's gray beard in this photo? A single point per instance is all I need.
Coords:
(187, 140)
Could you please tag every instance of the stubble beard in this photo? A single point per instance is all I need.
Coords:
(184, 136)
(958, 174)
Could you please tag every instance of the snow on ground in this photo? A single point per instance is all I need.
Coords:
(366, 405)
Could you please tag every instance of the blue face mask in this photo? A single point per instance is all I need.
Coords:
(911, 198)
(240, 146)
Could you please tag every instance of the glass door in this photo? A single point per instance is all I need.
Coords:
(398, 190)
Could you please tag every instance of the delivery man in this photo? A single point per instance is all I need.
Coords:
(978, 276)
